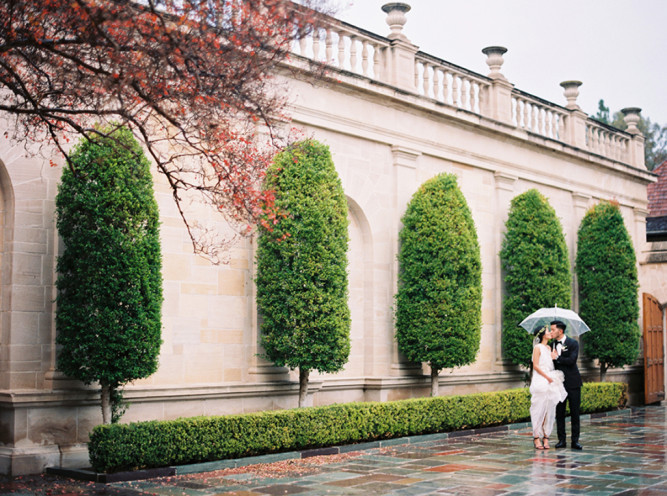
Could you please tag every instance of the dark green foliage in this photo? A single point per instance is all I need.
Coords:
(537, 271)
(302, 263)
(200, 439)
(438, 304)
(607, 274)
(109, 282)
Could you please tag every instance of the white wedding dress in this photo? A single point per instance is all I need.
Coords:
(544, 395)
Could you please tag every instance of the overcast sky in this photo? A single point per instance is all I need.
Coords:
(617, 48)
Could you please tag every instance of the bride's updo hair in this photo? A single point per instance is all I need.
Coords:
(540, 334)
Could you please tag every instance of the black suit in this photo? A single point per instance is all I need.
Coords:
(567, 362)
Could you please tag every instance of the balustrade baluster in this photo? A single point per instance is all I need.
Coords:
(474, 96)
(302, 46)
(364, 57)
(465, 93)
(353, 53)
(455, 90)
(607, 143)
(533, 123)
(316, 45)
(426, 76)
(329, 46)
(598, 140)
(541, 127)
(445, 86)
(482, 98)
(526, 114)
(436, 83)
(377, 63)
(614, 147)
(341, 50)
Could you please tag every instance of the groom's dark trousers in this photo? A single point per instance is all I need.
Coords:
(567, 362)
(574, 399)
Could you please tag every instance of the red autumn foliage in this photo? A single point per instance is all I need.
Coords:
(192, 78)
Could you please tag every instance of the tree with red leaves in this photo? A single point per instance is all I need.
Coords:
(193, 80)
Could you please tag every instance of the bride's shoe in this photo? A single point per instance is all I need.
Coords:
(546, 443)
(538, 443)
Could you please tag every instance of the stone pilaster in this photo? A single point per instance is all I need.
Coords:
(580, 203)
(505, 186)
(639, 234)
(405, 184)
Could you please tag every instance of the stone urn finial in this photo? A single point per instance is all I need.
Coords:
(571, 92)
(494, 59)
(632, 118)
(396, 19)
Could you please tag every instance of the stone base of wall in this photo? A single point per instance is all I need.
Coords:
(35, 460)
(51, 430)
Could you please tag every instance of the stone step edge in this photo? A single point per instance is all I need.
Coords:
(89, 475)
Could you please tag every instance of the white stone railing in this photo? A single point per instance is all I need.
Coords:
(538, 116)
(395, 61)
(449, 83)
(607, 141)
(345, 47)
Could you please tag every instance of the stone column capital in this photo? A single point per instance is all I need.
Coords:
(505, 181)
(405, 157)
(640, 213)
(580, 200)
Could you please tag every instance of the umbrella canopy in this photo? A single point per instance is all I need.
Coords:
(544, 316)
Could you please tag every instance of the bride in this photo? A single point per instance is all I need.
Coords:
(546, 389)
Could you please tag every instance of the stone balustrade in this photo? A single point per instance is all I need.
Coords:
(607, 141)
(538, 116)
(395, 61)
(345, 47)
(449, 83)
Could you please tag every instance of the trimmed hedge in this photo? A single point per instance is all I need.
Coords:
(199, 439)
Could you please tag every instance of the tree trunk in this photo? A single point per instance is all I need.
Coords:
(303, 386)
(603, 372)
(434, 380)
(106, 404)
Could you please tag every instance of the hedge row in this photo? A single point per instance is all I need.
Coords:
(191, 440)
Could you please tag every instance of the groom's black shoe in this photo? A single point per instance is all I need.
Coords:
(561, 444)
(577, 446)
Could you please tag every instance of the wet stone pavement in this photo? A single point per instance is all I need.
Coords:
(625, 453)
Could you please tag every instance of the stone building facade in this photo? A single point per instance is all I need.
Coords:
(393, 117)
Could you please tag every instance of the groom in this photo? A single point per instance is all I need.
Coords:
(564, 354)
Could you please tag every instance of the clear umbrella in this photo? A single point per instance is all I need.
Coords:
(544, 316)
